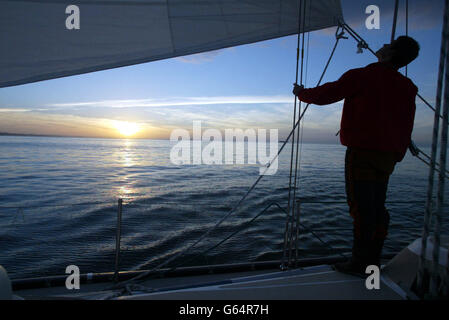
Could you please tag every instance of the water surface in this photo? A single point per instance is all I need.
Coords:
(58, 205)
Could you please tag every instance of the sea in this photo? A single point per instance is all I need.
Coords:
(59, 205)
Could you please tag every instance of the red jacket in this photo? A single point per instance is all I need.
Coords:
(379, 107)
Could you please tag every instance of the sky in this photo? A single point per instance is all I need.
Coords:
(247, 86)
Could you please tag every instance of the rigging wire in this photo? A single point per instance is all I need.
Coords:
(395, 18)
(295, 215)
(300, 132)
(288, 224)
(435, 276)
(406, 30)
(300, 150)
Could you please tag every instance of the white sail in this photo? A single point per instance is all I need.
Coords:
(46, 39)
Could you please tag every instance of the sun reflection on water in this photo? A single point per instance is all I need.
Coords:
(126, 159)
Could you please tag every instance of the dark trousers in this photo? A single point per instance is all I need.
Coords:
(367, 173)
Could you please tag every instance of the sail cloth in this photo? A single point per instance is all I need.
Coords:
(40, 40)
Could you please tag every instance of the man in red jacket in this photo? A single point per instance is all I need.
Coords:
(376, 128)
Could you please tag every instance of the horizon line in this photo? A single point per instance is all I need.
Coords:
(160, 139)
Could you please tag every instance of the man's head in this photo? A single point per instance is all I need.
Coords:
(400, 52)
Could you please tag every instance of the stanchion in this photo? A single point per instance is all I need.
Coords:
(117, 240)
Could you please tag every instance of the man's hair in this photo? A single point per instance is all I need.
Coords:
(405, 50)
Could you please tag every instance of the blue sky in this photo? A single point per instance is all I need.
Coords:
(241, 87)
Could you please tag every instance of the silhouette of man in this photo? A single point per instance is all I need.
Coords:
(376, 127)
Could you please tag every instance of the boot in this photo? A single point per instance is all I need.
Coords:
(357, 264)
(376, 252)
(352, 267)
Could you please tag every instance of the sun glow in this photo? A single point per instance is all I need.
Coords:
(126, 128)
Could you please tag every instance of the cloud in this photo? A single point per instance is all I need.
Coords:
(158, 117)
(14, 110)
(164, 115)
(177, 101)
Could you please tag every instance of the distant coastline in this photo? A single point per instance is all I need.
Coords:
(87, 137)
(62, 136)
(39, 135)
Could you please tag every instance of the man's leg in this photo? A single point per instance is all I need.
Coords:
(361, 201)
(382, 222)
(366, 178)
(364, 222)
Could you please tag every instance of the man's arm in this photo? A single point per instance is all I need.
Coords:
(331, 92)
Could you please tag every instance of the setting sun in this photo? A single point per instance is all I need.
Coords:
(127, 128)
